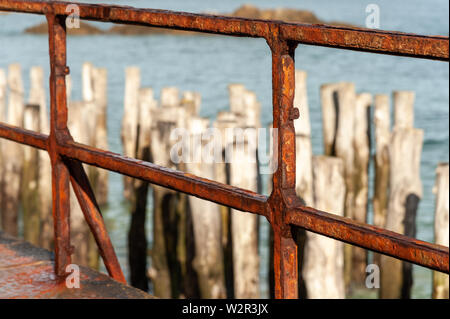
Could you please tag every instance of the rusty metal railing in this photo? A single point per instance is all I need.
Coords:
(282, 208)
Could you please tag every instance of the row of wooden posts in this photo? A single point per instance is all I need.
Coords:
(201, 249)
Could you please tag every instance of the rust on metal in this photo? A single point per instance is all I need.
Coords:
(282, 208)
(91, 211)
(368, 40)
(375, 41)
(370, 237)
(187, 183)
(58, 131)
(22, 136)
(27, 272)
(285, 247)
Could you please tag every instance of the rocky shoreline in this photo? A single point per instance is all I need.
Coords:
(245, 11)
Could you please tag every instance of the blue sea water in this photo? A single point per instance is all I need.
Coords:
(207, 64)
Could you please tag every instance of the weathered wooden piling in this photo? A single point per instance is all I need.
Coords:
(323, 267)
(245, 105)
(441, 227)
(405, 191)
(137, 239)
(328, 99)
(99, 176)
(361, 146)
(382, 123)
(81, 124)
(170, 223)
(304, 178)
(30, 180)
(346, 98)
(243, 170)
(170, 97)
(304, 174)
(94, 84)
(37, 96)
(244, 227)
(191, 102)
(346, 129)
(13, 158)
(404, 109)
(225, 123)
(3, 90)
(130, 120)
(206, 218)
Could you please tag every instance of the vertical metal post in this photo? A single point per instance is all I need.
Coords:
(58, 132)
(285, 247)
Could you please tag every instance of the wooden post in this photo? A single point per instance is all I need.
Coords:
(304, 180)
(94, 84)
(441, 227)
(170, 97)
(405, 189)
(137, 239)
(328, 97)
(30, 180)
(168, 229)
(191, 102)
(99, 85)
(245, 105)
(13, 158)
(346, 98)
(361, 145)
(323, 268)
(244, 226)
(225, 122)
(68, 87)
(206, 218)
(243, 172)
(304, 174)
(130, 120)
(37, 96)
(90, 110)
(81, 124)
(382, 122)
(403, 109)
(2, 119)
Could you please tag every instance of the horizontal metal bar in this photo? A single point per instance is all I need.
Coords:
(367, 40)
(203, 188)
(22, 136)
(227, 195)
(344, 229)
(370, 237)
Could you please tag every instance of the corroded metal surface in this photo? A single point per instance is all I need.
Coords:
(396, 43)
(19, 135)
(282, 208)
(59, 131)
(27, 272)
(370, 237)
(91, 211)
(190, 184)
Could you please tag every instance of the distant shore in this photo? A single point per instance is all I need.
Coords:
(245, 11)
